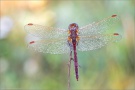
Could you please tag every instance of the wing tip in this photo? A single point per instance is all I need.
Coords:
(30, 24)
(116, 34)
(31, 42)
(114, 15)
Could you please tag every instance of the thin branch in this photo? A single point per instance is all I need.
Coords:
(69, 67)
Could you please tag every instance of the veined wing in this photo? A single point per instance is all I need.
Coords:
(99, 27)
(45, 32)
(53, 46)
(96, 41)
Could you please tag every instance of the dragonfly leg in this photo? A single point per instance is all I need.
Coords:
(79, 66)
(70, 58)
(73, 60)
(70, 46)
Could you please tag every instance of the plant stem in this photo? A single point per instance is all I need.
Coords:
(69, 67)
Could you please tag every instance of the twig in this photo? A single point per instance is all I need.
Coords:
(69, 67)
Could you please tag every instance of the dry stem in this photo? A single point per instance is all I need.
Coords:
(69, 67)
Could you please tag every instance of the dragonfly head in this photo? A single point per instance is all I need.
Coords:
(73, 27)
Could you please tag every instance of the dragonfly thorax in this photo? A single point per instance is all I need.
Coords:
(73, 29)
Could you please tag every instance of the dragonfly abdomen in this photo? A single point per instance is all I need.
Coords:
(75, 61)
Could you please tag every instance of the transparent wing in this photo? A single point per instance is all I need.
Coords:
(45, 32)
(96, 41)
(53, 46)
(99, 27)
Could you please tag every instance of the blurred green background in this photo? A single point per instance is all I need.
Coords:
(111, 67)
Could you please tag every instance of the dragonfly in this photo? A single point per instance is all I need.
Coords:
(75, 38)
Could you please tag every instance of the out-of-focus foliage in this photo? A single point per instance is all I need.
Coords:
(111, 67)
